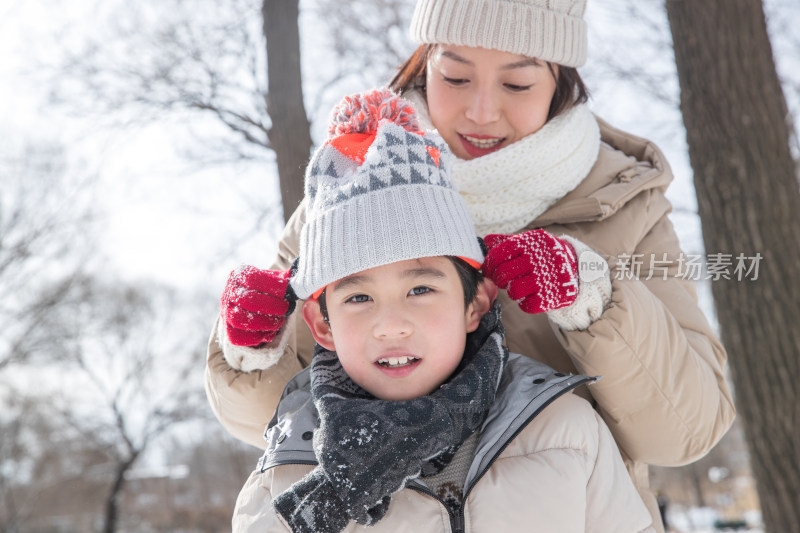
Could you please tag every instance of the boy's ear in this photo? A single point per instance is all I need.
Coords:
(320, 329)
(484, 299)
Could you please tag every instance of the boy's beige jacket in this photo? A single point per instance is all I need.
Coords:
(663, 391)
(545, 461)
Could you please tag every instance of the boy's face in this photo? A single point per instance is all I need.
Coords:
(399, 329)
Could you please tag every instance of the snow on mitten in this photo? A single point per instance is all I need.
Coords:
(255, 304)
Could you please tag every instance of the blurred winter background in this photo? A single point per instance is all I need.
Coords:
(135, 174)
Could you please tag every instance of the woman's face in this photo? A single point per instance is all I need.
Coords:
(481, 100)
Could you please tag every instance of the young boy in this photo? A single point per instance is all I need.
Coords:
(413, 416)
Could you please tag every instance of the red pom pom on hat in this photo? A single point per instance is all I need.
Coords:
(354, 121)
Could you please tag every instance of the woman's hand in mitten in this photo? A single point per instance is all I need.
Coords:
(255, 304)
(538, 271)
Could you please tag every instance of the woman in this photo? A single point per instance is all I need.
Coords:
(498, 79)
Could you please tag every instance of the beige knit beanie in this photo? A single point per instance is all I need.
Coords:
(550, 30)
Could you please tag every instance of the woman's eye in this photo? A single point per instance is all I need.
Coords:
(455, 81)
(517, 88)
(416, 291)
(358, 298)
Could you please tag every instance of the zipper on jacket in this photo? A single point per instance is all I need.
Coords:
(457, 521)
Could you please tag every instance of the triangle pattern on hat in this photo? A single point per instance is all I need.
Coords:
(393, 140)
(398, 157)
(375, 183)
(415, 139)
(358, 189)
(340, 197)
(331, 170)
(417, 177)
(414, 157)
(397, 178)
(315, 167)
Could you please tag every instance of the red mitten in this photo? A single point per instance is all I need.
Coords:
(539, 271)
(255, 304)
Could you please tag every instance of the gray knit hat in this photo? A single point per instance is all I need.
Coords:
(378, 191)
(550, 30)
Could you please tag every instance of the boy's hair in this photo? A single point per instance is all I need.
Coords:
(470, 278)
(570, 89)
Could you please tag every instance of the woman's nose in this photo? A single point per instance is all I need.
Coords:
(483, 107)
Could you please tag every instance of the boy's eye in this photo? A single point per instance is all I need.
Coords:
(358, 298)
(416, 291)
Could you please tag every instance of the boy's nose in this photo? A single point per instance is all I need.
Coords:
(483, 107)
(390, 323)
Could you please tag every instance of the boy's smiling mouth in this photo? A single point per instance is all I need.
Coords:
(397, 362)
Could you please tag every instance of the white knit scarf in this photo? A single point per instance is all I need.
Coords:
(509, 188)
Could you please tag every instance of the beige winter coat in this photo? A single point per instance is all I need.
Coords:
(663, 392)
(545, 461)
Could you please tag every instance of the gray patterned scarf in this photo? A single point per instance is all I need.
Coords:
(368, 448)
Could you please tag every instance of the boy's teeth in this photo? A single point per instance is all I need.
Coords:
(483, 143)
(396, 361)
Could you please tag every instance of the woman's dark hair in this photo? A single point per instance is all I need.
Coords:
(470, 279)
(411, 74)
(570, 89)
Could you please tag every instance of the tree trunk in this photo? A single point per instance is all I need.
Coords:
(289, 134)
(737, 130)
(115, 492)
